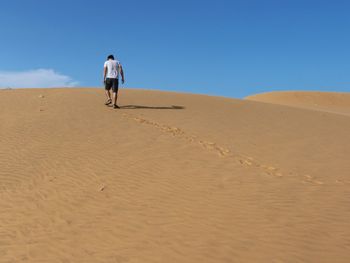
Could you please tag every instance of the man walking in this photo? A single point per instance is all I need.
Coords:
(112, 70)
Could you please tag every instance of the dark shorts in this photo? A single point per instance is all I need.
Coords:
(112, 84)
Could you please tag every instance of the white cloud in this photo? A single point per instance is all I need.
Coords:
(38, 78)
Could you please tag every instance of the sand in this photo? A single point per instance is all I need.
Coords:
(335, 102)
(173, 177)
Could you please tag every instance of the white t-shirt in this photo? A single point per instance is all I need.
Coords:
(112, 68)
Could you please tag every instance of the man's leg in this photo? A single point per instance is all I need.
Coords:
(115, 92)
(115, 97)
(108, 94)
(107, 91)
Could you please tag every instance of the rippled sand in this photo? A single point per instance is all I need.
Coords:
(171, 177)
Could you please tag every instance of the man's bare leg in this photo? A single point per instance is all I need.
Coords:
(108, 95)
(115, 97)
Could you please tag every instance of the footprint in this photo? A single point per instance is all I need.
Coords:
(310, 179)
(278, 174)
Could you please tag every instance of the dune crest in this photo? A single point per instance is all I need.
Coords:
(170, 177)
(335, 102)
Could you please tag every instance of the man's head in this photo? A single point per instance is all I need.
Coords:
(110, 57)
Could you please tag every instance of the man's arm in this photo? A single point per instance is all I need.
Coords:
(122, 73)
(104, 74)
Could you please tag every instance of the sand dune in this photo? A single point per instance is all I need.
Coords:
(171, 178)
(335, 102)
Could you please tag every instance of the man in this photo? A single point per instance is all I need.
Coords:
(111, 71)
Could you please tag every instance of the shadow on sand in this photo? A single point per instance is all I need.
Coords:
(172, 107)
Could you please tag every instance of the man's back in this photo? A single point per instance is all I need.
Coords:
(112, 68)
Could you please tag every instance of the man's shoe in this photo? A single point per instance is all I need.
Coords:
(108, 102)
(115, 106)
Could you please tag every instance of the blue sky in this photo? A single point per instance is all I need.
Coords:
(228, 48)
